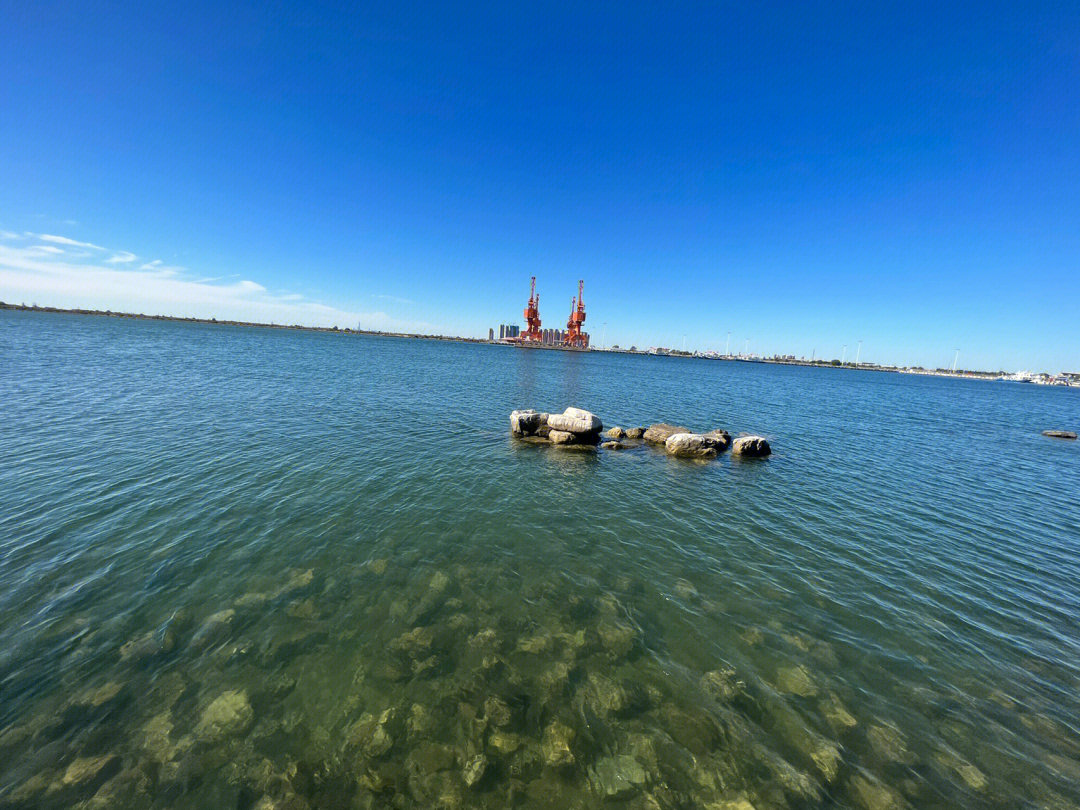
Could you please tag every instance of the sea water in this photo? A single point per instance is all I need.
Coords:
(260, 568)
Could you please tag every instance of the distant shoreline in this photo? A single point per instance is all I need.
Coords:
(783, 361)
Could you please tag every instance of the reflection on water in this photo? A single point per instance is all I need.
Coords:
(260, 570)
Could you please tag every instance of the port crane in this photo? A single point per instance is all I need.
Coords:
(574, 335)
(532, 315)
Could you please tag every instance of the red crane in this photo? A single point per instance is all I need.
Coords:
(574, 335)
(532, 315)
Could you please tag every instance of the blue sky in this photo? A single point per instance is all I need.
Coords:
(801, 175)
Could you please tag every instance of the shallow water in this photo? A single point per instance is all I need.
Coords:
(255, 568)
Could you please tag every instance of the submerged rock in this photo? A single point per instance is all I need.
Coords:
(689, 445)
(889, 743)
(616, 638)
(617, 777)
(497, 712)
(145, 646)
(722, 685)
(227, 715)
(837, 714)
(98, 697)
(659, 433)
(873, 795)
(474, 770)
(1059, 434)
(751, 447)
(87, 771)
(796, 681)
(612, 446)
(555, 745)
(635, 432)
(616, 433)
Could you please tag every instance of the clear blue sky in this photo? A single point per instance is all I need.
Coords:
(802, 175)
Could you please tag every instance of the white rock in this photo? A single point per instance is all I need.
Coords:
(575, 420)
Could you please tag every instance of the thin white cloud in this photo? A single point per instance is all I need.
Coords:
(47, 249)
(394, 299)
(123, 257)
(8, 235)
(63, 240)
(78, 280)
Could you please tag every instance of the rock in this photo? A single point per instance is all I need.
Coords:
(659, 433)
(303, 609)
(720, 439)
(837, 714)
(1059, 434)
(565, 438)
(497, 712)
(378, 567)
(612, 446)
(88, 771)
(873, 795)
(575, 420)
(95, 698)
(228, 715)
(617, 638)
(889, 743)
(685, 589)
(689, 445)
(796, 681)
(606, 697)
(439, 582)
(750, 447)
(144, 647)
(474, 769)
(635, 433)
(617, 777)
(524, 423)
(616, 433)
(504, 743)
(555, 745)
(721, 684)
(214, 630)
(538, 439)
(297, 581)
(826, 756)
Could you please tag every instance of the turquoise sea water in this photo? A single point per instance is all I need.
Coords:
(250, 568)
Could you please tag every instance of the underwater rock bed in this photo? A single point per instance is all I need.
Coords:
(381, 688)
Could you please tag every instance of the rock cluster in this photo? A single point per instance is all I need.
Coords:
(576, 427)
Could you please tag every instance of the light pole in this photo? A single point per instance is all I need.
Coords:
(857, 353)
(955, 358)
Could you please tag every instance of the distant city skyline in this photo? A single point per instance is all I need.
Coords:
(790, 179)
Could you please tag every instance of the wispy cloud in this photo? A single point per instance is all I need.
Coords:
(76, 279)
(63, 240)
